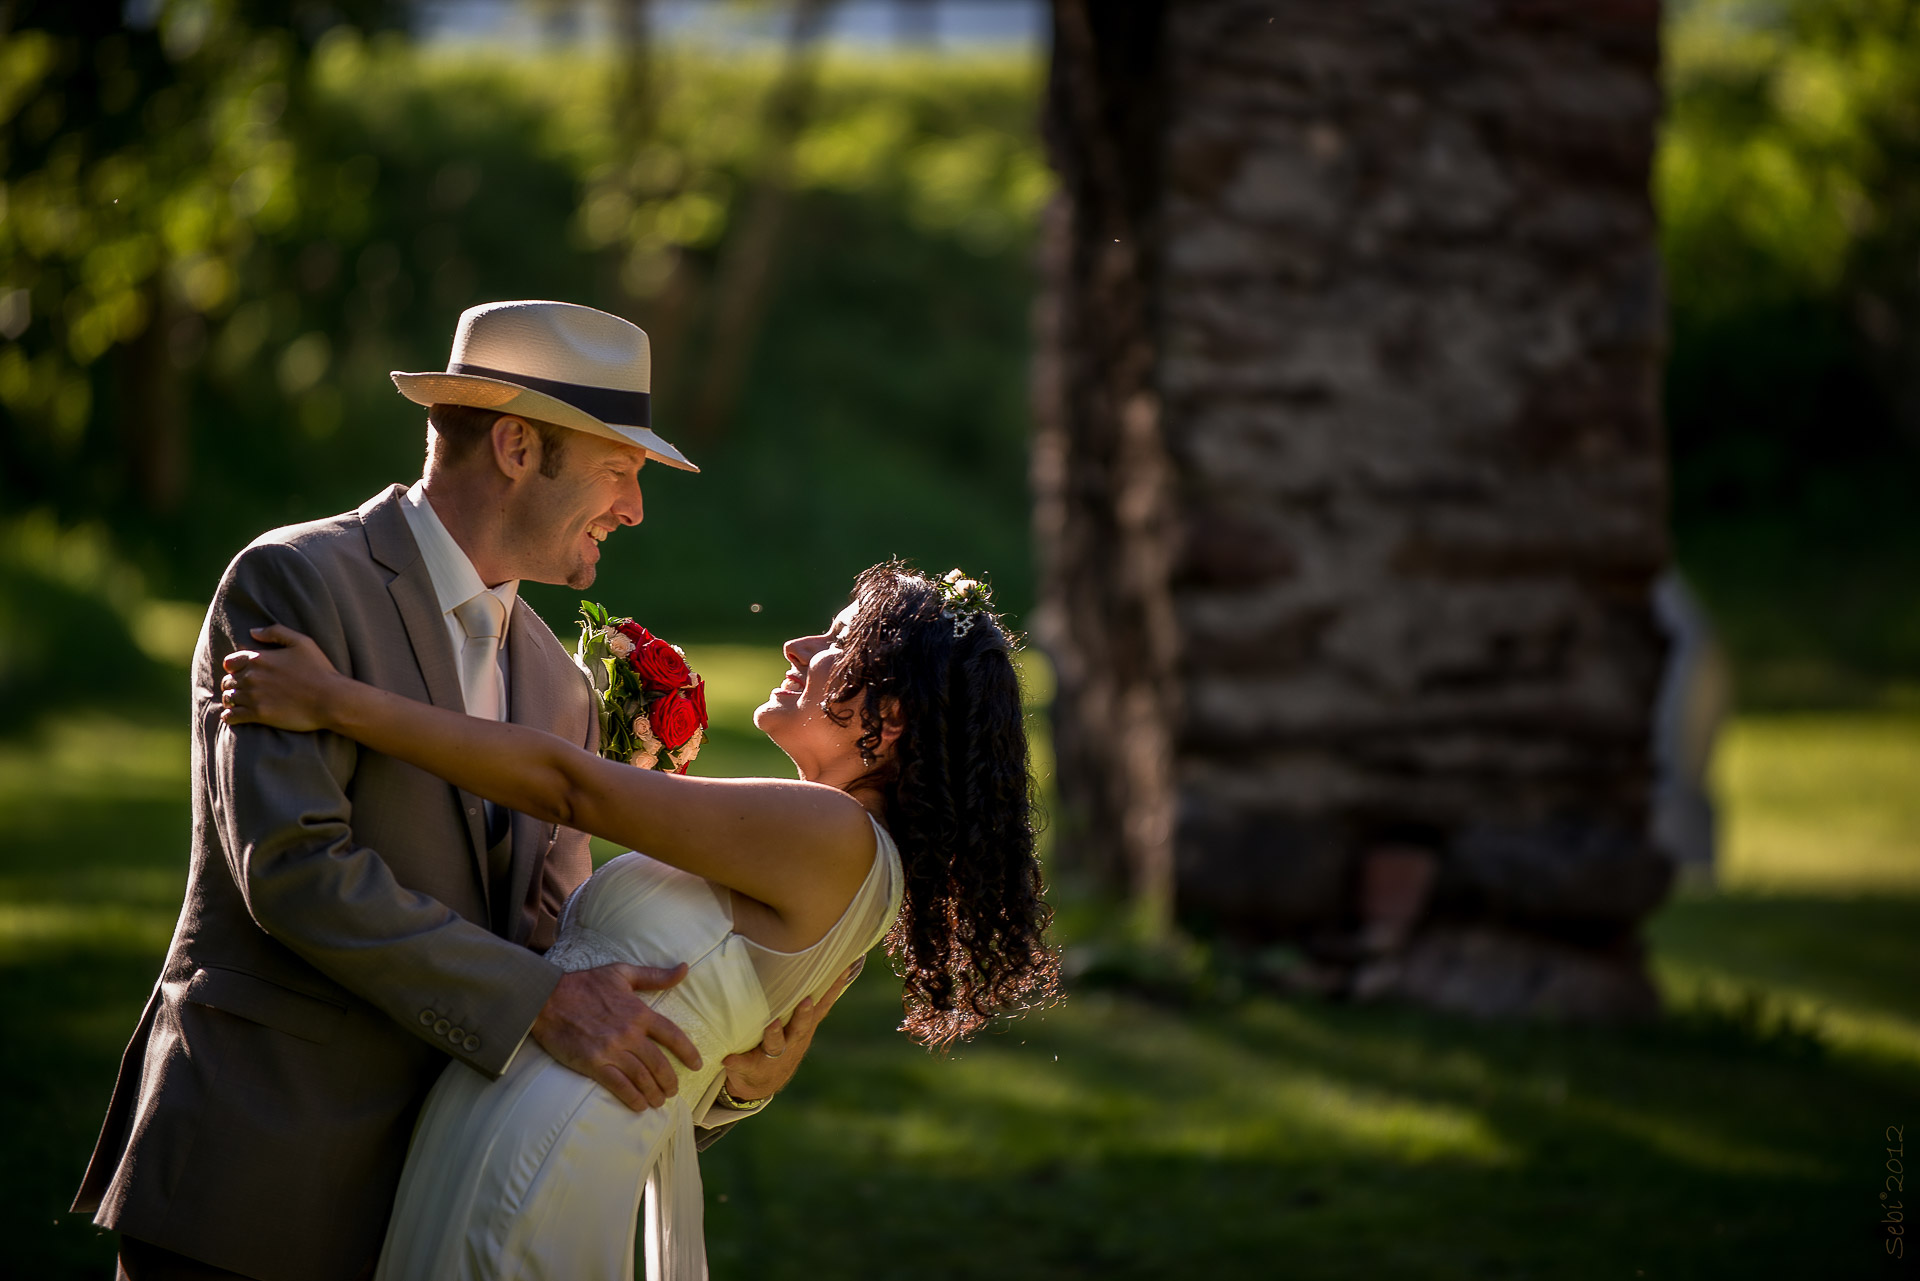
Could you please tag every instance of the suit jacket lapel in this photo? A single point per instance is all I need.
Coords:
(392, 544)
(532, 699)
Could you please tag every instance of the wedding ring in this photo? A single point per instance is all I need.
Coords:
(772, 1054)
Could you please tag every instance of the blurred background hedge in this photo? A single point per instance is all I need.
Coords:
(223, 228)
(1789, 190)
(208, 277)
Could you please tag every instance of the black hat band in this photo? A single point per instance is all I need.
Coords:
(626, 408)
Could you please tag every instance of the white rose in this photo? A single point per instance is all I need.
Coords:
(684, 754)
(643, 730)
(620, 644)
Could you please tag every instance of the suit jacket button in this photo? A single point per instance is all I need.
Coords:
(454, 1034)
(472, 1044)
(426, 1018)
(440, 1026)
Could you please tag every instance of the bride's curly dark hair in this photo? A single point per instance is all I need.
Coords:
(959, 801)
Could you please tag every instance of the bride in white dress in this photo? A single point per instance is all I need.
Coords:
(904, 722)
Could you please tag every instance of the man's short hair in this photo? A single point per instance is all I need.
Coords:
(465, 428)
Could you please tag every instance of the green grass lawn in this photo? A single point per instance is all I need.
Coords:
(1739, 1137)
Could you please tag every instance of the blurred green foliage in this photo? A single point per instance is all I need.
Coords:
(1789, 192)
(218, 232)
(209, 270)
(144, 166)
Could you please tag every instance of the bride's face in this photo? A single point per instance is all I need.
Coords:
(795, 713)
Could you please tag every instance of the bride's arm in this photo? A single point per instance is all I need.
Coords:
(800, 848)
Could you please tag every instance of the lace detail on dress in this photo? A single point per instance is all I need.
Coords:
(579, 948)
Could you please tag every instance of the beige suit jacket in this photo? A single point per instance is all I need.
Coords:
(341, 937)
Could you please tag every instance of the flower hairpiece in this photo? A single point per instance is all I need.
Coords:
(964, 600)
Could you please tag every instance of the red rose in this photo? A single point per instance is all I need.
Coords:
(674, 719)
(660, 665)
(696, 694)
(639, 635)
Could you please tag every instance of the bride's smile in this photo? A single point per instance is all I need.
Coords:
(797, 714)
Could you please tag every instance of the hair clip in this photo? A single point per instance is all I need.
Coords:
(964, 600)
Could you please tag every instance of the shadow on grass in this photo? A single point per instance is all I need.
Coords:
(1110, 1137)
(92, 864)
(1306, 1140)
(1860, 952)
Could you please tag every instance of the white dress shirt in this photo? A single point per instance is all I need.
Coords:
(455, 582)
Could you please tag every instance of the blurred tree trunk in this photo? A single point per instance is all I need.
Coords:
(741, 293)
(661, 296)
(1350, 480)
(636, 99)
(152, 418)
(1105, 510)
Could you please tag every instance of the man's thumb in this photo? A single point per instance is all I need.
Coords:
(652, 978)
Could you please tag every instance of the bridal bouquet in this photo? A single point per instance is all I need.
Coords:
(653, 708)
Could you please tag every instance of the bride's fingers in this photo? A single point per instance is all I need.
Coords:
(238, 660)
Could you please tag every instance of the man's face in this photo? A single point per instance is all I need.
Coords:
(556, 523)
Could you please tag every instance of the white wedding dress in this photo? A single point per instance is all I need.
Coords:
(540, 1174)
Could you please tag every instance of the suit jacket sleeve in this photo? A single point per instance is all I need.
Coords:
(286, 826)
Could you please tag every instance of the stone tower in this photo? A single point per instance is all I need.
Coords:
(1350, 480)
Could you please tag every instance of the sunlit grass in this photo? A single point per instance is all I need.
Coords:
(1117, 1138)
(1814, 923)
(90, 756)
(1821, 802)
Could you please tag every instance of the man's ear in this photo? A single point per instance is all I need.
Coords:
(516, 446)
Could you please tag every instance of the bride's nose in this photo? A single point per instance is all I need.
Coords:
(801, 649)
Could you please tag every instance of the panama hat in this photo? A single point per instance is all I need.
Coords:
(556, 361)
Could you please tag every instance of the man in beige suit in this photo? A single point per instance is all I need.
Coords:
(352, 923)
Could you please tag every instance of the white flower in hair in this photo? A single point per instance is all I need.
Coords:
(964, 600)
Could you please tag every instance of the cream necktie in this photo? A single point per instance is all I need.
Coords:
(484, 620)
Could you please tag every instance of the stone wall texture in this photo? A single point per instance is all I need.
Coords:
(1349, 470)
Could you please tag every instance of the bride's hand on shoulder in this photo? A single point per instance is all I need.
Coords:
(288, 687)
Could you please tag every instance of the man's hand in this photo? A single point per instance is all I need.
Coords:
(594, 1024)
(764, 1071)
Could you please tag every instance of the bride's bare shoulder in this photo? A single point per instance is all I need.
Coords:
(814, 812)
